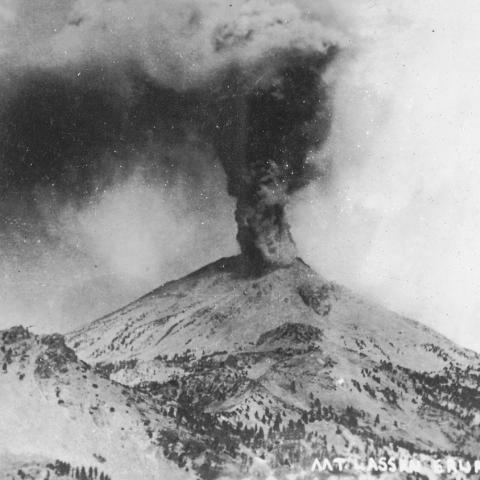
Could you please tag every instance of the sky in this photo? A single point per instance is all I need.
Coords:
(394, 217)
(400, 221)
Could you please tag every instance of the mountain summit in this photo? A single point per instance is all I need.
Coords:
(226, 375)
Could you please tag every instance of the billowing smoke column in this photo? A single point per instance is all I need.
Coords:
(245, 75)
(265, 132)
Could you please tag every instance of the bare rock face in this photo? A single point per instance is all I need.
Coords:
(319, 298)
(55, 358)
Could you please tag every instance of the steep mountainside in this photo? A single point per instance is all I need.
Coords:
(288, 367)
(222, 375)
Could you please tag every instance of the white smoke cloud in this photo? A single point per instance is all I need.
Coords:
(179, 44)
(141, 231)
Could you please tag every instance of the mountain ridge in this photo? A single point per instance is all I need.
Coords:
(238, 374)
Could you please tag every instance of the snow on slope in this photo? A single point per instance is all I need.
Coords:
(221, 371)
(54, 407)
(235, 345)
(216, 309)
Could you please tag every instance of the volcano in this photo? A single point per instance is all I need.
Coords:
(222, 374)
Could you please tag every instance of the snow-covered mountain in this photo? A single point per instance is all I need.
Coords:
(224, 374)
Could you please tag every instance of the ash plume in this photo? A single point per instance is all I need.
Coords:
(264, 133)
(246, 77)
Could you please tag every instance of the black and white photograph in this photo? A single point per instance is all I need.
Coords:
(239, 239)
